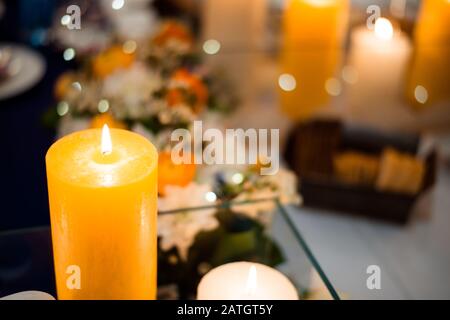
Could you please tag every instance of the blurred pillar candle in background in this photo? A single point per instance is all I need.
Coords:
(103, 200)
(313, 33)
(234, 34)
(379, 57)
(429, 76)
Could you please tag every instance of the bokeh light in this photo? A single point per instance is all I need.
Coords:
(211, 46)
(383, 29)
(237, 178)
(349, 74)
(77, 85)
(117, 4)
(421, 94)
(69, 54)
(129, 46)
(65, 20)
(333, 86)
(287, 82)
(103, 106)
(210, 196)
(62, 108)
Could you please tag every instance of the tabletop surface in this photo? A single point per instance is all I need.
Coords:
(414, 259)
(27, 259)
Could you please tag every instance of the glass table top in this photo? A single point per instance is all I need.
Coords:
(26, 261)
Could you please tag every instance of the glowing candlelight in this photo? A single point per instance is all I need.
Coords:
(103, 214)
(383, 29)
(379, 58)
(106, 140)
(251, 282)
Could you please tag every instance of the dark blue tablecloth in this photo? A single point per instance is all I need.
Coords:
(23, 138)
(23, 143)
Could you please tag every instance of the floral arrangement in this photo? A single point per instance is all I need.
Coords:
(230, 211)
(152, 88)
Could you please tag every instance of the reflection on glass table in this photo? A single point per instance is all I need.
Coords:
(26, 262)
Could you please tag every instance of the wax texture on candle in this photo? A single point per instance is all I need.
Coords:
(103, 210)
(313, 32)
(245, 281)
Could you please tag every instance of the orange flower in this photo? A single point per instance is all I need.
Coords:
(63, 85)
(170, 173)
(106, 118)
(172, 30)
(189, 89)
(110, 60)
(261, 162)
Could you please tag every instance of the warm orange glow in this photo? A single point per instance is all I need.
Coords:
(99, 120)
(103, 214)
(173, 174)
(106, 140)
(383, 29)
(173, 31)
(318, 24)
(187, 88)
(110, 60)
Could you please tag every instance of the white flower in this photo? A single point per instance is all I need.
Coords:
(132, 89)
(69, 124)
(261, 210)
(286, 183)
(160, 140)
(140, 129)
(179, 229)
(282, 185)
(134, 24)
(192, 195)
(173, 45)
(213, 120)
(175, 114)
(207, 173)
(87, 99)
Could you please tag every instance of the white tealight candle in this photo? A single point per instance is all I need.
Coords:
(245, 281)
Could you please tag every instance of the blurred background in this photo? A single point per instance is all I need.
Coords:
(360, 91)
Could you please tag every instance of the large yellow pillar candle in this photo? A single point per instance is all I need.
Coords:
(102, 192)
(313, 32)
(429, 77)
(245, 281)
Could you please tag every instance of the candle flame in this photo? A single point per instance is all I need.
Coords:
(383, 29)
(320, 3)
(251, 282)
(106, 140)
